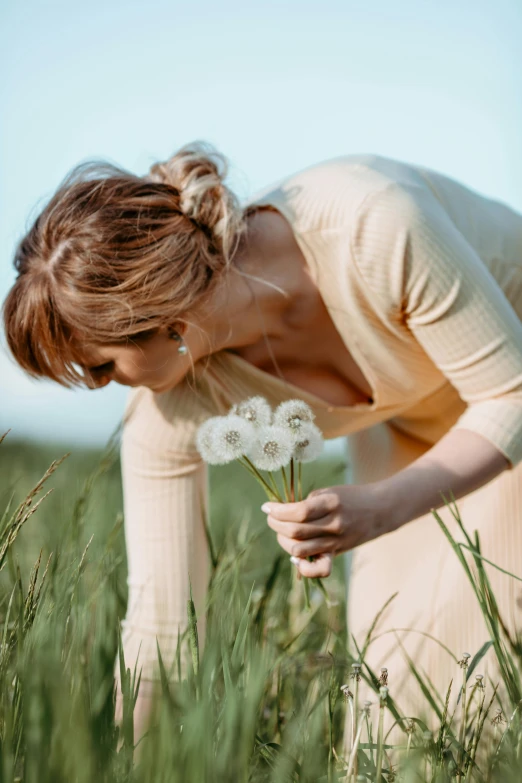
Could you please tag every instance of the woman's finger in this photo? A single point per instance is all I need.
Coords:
(319, 568)
(327, 526)
(313, 507)
(314, 546)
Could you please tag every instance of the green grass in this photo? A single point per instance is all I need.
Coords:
(262, 701)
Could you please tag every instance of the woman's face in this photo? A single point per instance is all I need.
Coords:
(153, 362)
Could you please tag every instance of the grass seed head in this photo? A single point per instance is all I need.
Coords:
(463, 663)
(479, 679)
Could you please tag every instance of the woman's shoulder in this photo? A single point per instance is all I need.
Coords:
(324, 195)
(167, 421)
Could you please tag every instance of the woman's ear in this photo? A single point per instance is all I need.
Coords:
(176, 328)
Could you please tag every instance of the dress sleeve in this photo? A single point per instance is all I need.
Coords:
(165, 499)
(427, 276)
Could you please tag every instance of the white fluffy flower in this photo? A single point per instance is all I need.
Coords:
(233, 437)
(272, 448)
(205, 440)
(309, 443)
(292, 415)
(222, 439)
(255, 410)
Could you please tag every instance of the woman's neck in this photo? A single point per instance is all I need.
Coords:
(264, 292)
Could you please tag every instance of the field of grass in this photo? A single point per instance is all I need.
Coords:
(262, 702)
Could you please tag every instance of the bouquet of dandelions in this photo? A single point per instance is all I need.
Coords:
(262, 440)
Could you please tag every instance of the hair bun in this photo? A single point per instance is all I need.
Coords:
(197, 171)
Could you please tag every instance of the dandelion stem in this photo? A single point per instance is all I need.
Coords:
(292, 481)
(356, 669)
(353, 728)
(285, 482)
(353, 754)
(274, 483)
(380, 732)
(300, 481)
(369, 729)
(254, 471)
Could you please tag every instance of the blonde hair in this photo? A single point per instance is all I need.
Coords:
(114, 256)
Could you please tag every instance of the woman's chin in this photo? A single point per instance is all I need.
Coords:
(160, 389)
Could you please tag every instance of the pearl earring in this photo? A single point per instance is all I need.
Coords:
(182, 349)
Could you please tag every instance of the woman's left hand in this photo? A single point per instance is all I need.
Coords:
(327, 522)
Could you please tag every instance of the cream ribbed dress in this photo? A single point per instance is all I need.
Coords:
(422, 277)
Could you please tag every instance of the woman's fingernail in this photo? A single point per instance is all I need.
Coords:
(294, 560)
(265, 507)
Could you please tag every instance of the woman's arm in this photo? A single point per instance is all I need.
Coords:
(461, 462)
(165, 498)
(423, 277)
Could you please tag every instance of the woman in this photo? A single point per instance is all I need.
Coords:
(387, 296)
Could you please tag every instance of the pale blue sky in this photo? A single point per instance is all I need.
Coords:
(275, 87)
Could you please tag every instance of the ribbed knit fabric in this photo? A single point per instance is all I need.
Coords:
(422, 278)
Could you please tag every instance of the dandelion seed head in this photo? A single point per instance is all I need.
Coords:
(205, 443)
(292, 414)
(272, 448)
(256, 410)
(308, 442)
(232, 437)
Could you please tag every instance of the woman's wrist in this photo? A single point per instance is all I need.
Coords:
(337, 519)
(400, 499)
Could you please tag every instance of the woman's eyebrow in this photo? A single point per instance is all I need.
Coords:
(98, 366)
